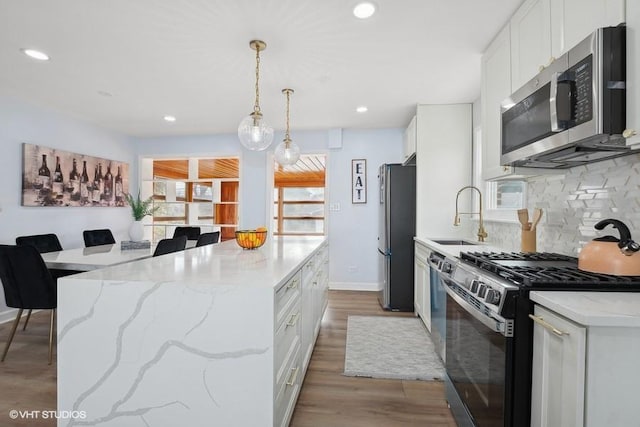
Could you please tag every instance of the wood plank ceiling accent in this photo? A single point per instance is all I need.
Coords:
(207, 168)
(308, 171)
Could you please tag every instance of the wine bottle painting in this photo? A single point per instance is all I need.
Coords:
(52, 177)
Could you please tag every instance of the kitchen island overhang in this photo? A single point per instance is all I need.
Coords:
(189, 338)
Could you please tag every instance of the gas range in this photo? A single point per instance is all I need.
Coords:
(495, 278)
(489, 335)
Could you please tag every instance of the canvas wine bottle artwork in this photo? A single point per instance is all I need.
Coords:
(76, 180)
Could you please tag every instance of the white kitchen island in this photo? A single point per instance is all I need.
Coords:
(211, 336)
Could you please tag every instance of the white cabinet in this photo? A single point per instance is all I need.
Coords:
(409, 140)
(303, 299)
(633, 72)
(422, 285)
(557, 390)
(315, 288)
(574, 20)
(585, 359)
(495, 87)
(530, 41)
(443, 166)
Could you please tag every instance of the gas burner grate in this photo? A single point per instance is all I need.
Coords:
(516, 256)
(546, 271)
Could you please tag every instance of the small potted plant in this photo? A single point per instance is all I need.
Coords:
(139, 209)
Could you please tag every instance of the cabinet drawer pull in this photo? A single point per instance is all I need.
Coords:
(539, 320)
(293, 284)
(293, 319)
(292, 376)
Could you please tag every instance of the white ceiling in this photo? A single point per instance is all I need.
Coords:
(191, 59)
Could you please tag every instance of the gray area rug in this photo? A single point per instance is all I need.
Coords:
(390, 347)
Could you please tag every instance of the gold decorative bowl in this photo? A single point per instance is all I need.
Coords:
(251, 239)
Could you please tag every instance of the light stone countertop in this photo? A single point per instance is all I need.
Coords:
(220, 264)
(606, 309)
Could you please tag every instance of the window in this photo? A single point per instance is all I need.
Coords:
(502, 198)
(196, 191)
(299, 197)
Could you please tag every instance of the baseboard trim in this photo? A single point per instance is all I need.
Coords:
(9, 315)
(354, 286)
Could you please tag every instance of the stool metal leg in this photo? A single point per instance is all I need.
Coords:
(13, 332)
(24, 328)
(53, 316)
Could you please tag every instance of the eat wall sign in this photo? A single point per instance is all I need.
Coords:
(358, 181)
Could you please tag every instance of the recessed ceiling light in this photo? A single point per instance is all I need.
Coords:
(362, 109)
(170, 118)
(364, 10)
(35, 54)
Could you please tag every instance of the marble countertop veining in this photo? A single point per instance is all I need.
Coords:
(220, 264)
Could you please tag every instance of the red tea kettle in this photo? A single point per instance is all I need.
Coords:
(610, 255)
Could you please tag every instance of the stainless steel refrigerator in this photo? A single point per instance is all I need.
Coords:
(396, 229)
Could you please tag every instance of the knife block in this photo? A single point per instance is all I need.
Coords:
(528, 241)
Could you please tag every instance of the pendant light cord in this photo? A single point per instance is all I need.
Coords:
(256, 107)
(287, 140)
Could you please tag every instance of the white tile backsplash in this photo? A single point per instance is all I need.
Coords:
(574, 202)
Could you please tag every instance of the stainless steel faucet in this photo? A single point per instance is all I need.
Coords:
(482, 234)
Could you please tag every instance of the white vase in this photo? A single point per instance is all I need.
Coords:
(136, 231)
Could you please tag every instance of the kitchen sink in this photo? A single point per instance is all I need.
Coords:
(456, 242)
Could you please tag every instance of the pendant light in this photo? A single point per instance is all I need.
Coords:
(253, 132)
(287, 152)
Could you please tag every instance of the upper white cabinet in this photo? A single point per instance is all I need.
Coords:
(409, 139)
(573, 20)
(496, 86)
(633, 72)
(530, 41)
(443, 166)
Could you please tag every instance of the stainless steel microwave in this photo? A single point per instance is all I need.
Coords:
(573, 112)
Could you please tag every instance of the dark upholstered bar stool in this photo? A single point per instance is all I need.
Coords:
(208, 238)
(44, 243)
(27, 285)
(167, 246)
(98, 237)
(192, 233)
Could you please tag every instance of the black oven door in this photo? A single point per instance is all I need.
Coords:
(477, 364)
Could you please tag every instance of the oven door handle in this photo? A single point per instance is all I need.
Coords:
(496, 325)
(433, 264)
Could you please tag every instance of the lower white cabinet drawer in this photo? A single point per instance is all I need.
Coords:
(287, 334)
(287, 389)
(284, 295)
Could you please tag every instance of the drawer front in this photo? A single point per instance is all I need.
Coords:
(285, 295)
(287, 390)
(287, 336)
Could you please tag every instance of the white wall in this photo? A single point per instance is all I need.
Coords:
(352, 229)
(20, 122)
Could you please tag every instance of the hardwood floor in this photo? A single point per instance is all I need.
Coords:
(327, 398)
(27, 382)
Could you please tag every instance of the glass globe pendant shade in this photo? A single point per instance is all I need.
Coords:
(287, 153)
(254, 133)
